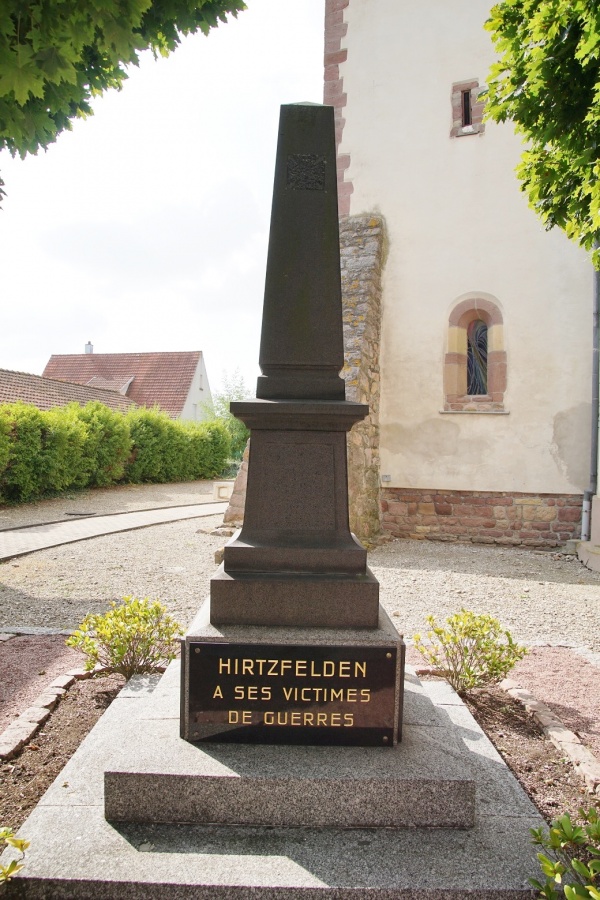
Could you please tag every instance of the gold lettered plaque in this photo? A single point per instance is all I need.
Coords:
(282, 694)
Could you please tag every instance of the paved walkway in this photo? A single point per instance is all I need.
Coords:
(19, 541)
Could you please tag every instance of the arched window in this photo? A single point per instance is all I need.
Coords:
(475, 362)
(477, 356)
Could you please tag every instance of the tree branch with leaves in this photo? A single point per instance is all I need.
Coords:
(55, 57)
(547, 82)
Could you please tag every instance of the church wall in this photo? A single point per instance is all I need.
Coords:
(460, 237)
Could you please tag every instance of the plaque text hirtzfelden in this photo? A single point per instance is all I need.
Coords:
(259, 693)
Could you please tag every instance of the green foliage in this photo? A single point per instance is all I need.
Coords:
(132, 638)
(45, 452)
(63, 464)
(7, 839)
(575, 862)
(149, 436)
(22, 478)
(56, 56)
(164, 450)
(547, 81)
(5, 439)
(472, 651)
(234, 388)
(107, 446)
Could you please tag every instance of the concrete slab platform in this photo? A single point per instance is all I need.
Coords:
(76, 854)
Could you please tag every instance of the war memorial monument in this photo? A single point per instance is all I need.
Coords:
(288, 755)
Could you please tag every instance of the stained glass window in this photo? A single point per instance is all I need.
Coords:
(477, 341)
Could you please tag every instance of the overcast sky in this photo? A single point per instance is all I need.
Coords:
(146, 227)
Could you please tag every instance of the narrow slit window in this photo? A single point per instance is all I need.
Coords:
(477, 358)
(467, 114)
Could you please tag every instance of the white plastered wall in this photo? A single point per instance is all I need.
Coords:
(458, 226)
(199, 398)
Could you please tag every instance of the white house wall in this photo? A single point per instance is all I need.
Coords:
(199, 398)
(458, 226)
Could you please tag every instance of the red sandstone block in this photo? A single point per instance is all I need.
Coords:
(479, 501)
(334, 59)
(569, 514)
(540, 526)
(443, 509)
(332, 73)
(398, 509)
(428, 520)
(334, 90)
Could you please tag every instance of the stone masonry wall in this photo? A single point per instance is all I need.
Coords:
(531, 520)
(362, 249)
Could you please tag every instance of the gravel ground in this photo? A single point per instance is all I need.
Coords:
(542, 597)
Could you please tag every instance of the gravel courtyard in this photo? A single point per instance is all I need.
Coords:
(543, 598)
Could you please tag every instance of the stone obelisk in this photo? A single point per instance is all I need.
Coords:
(295, 574)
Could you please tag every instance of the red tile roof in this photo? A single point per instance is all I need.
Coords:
(159, 379)
(46, 393)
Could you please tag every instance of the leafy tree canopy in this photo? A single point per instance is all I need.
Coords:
(55, 55)
(547, 81)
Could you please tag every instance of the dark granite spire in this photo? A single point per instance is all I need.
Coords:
(301, 351)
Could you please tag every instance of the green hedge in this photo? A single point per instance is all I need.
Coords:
(46, 452)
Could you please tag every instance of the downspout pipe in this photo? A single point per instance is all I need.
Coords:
(591, 491)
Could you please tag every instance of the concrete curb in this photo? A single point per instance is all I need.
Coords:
(20, 731)
(585, 763)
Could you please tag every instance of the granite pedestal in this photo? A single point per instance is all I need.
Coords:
(76, 854)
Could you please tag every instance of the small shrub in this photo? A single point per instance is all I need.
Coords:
(575, 866)
(7, 839)
(471, 652)
(132, 638)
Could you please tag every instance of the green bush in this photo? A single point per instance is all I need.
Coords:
(149, 429)
(7, 839)
(132, 638)
(63, 463)
(471, 652)
(22, 478)
(73, 447)
(210, 448)
(575, 866)
(108, 444)
(5, 439)
(165, 450)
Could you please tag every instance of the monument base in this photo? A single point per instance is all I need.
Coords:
(75, 854)
(421, 782)
(275, 685)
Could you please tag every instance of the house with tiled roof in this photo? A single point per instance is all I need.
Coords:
(46, 393)
(175, 382)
